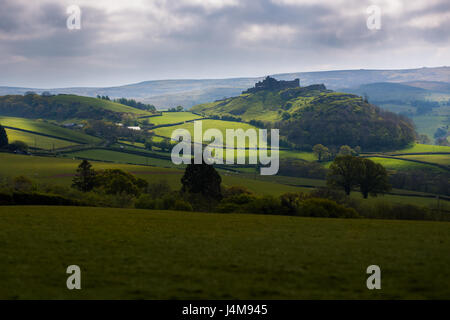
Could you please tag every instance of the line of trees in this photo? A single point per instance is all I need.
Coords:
(349, 172)
(135, 104)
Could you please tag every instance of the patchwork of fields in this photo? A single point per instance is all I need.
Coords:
(151, 254)
(48, 136)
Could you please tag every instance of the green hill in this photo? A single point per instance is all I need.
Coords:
(310, 115)
(63, 107)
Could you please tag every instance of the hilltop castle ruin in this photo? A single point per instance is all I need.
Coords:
(270, 83)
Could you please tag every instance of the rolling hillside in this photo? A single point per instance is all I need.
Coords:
(65, 107)
(315, 115)
(190, 92)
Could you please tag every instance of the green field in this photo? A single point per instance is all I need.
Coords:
(120, 157)
(40, 126)
(206, 124)
(139, 254)
(37, 141)
(173, 117)
(443, 159)
(398, 164)
(132, 143)
(419, 148)
(60, 171)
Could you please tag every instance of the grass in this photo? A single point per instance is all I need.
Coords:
(443, 159)
(397, 164)
(99, 104)
(303, 155)
(120, 157)
(132, 143)
(37, 141)
(139, 254)
(173, 117)
(60, 171)
(206, 124)
(40, 126)
(419, 148)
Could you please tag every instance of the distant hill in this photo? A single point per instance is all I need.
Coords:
(382, 92)
(313, 114)
(435, 86)
(170, 93)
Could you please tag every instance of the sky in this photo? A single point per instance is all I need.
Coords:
(122, 42)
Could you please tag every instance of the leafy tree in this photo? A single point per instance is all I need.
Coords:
(164, 145)
(372, 178)
(85, 176)
(180, 108)
(346, 151)
(424, 139)
(149, 144)
(3, 137)
(158, 189)
(322, 152)
(116, 181)
(285, 115)
(202, 179)
(18, 145)
(344, 172)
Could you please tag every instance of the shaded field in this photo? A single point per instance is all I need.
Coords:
(60, 171)
(121, 157)
(37, 141)
(139, 254)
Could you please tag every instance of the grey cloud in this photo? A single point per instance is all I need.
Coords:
(206, 43)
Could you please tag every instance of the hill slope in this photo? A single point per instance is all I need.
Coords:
(310, 115)
(62, 107)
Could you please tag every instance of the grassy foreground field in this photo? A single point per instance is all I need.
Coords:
(139, 254)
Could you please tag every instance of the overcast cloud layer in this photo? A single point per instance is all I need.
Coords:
(135, 40)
